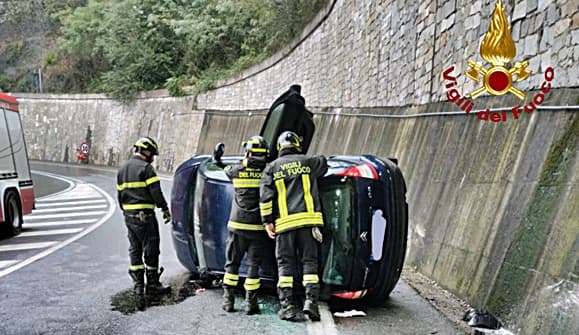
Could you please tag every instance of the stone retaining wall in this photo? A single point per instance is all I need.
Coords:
(493, 206)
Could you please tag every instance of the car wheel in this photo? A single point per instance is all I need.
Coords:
(395, 245)
(13, 214)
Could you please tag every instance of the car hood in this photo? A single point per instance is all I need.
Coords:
(288, 112)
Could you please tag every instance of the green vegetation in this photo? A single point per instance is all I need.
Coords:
(123, 47)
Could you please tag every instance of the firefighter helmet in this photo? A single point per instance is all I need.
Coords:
(289, 139)
(256, 145)
(147, 143)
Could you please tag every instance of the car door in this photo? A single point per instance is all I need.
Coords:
(288, 112)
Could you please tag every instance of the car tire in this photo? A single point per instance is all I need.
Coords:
(395, 244)
(13, 214)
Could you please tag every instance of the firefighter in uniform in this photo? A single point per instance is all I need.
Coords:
(246, 234)
(139, 192)
(291, 212)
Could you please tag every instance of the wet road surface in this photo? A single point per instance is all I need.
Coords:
(84, 288)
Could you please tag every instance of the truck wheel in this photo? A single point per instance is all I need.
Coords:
(13, 214)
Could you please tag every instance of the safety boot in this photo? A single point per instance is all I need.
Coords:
(138, 277)
(154, 287)
(251, 305)
(288, 310)
(311, 308)
(228, 304)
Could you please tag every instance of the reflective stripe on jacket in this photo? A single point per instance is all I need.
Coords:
(245, 205)
(139, 187)
(289, 195)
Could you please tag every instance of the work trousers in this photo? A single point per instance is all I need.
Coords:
(144, 240)
(286, 245)
(237, 246)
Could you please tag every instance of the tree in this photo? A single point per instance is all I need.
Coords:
(123, 47)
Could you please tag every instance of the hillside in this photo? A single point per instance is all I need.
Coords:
(88, 46)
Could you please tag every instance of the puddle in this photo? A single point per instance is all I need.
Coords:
(188, 285)
(182, 287)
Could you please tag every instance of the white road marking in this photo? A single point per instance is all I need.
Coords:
(42, 204)
(79, 191)
(74, 196)
(64, 215)
(58, 223)
(49, 232)
(26, 246)
(326, 325)
(68, 241)
(5, 264)
(75, 208)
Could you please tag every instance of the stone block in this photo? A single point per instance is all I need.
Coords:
(574, 71)
(561, 26)
(532, 5)
(552, 14)
(531, 45)
(575, 21)
(520, 46)
(475, 7)
(538, 22)
(472, 21)
(565, 53)
(428, 32)
(561, 41)
(534, 64)
(424, 9)
(575, 37)
(570, 8)
(546, 61)
(447, 23)
(516, 30)
(562, 76)
(546, 39)
(542, 4)
(525, 27)
(449, 8)
(520, 10)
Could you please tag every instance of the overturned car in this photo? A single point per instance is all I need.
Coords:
(364, 209)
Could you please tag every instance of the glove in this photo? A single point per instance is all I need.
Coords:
(166, 216)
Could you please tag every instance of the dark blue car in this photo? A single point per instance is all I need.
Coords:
(364, 207)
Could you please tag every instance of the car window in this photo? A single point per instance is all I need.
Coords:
(213, 171)
(338, 248)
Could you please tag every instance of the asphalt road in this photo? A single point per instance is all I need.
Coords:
(71, 276)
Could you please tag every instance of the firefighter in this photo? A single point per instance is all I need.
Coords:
(246, 234)
(139, 192)
(292, 215)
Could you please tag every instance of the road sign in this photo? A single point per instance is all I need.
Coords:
(85, 148)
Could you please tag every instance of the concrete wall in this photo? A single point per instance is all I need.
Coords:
(493, 206)
(55, 123)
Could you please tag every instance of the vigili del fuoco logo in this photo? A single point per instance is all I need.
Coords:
(497, 49)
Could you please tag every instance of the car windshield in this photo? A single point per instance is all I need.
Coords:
(337, 248)
(215, 171)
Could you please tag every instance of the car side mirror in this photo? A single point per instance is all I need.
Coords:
(218, 151)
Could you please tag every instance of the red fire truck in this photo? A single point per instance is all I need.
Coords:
(16, 187)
